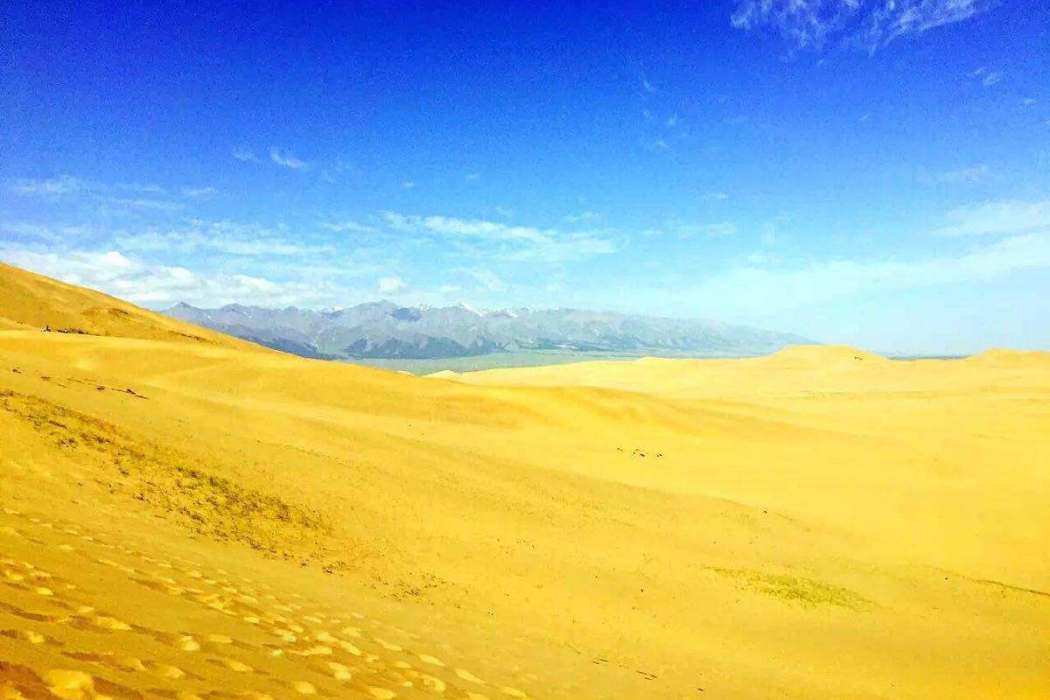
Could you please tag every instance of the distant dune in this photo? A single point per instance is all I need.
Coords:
(1000, 357)
(185, 515)
(797, 371)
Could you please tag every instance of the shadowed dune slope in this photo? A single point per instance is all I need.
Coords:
(207, 520)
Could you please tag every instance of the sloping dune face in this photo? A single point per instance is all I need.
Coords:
(29, 301)
(189, 519)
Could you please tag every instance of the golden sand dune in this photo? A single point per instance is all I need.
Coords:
(29, 301)
(1000, 357)
(794, 372)
(198, 519)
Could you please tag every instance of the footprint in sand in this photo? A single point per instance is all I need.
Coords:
(24, 635)
(235, 665)
(468, 676)
(313, 651)
(349, 648)
(166, 670)
(427, 659)
(129, 663)
(389, 646)
(304, 636)
(71, 685)
(188, 643)
(432, 683)
(111, 623)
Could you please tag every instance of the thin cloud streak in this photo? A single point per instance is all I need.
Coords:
(810, 25)
(754, 290)
(245, 155)
(286, 159)
(47, 187)
(507, 242)
(996, 218)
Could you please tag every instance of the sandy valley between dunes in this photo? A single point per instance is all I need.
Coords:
(184, 515)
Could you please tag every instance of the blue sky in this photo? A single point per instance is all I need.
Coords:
(868, 172)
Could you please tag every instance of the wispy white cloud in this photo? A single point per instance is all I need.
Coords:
(93, 268)
(52, 233)
(759, 289)
(391, 285)
(408, 185)
(870, 24)
(470, 228)
(770, 231)
(199, 192)
(896, 18)
(244, 154)
(126, 275)
(488, 279)
(112, 198)
(140, 204)
(286, 159)
(581, 217)
(685, 231)
(141, 188)
(987, 77)
(997, 218)
(227, 237)
(716, 196)
(347, 226)
(806, 25)
(507, 242)
(723, 228)
(991, 79)
(47, 187)
(969, 175)
(761, 257)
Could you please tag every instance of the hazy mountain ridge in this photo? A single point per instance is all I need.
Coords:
(385, 330)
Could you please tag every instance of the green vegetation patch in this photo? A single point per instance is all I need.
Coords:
(798, 590)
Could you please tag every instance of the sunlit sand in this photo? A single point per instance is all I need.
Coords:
(184, 515)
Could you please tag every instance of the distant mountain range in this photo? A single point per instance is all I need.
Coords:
(386, 330)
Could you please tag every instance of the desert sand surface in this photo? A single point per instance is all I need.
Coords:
(184, 515)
